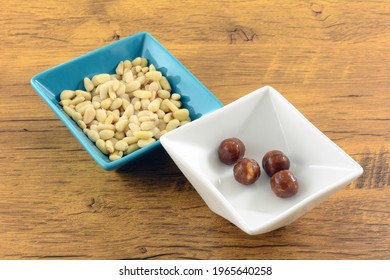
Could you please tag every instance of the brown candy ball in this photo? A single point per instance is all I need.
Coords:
(231, 150)
(274, 161)
(284, 184)
(246, 171)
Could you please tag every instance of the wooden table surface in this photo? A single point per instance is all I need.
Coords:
(330, 59)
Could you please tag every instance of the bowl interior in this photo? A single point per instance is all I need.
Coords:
(49, 84)
(264, 121)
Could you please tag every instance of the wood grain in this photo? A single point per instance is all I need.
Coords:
(331, 59)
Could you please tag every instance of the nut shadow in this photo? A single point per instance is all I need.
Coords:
(152, 172)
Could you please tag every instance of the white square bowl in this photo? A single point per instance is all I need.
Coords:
(264, 120)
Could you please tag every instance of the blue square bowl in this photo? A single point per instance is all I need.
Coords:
(69, 75)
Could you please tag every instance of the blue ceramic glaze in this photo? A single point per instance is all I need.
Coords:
(69, 75)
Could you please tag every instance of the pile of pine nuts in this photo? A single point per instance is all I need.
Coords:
(125, 111)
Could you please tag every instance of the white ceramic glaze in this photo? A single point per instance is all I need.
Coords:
(264, 120)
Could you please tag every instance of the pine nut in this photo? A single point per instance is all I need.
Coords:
(128, 77)
(88, 85)
(132, 148)
(130, 140)
(177, 103)
(77, 100)
(121, 125)
(69, 111)
(96, 90)
(145, 119)
(175, 96)
(81, 124)
(144, 113)
(134, 119)
(106, 134)
(138, 69)
(102, 126)
(164, 94)
(127, 64)
(116, 114)
(145, 104)
(160, 113)
(94, 127)
(79, 107)
(142, 93)
(141, 79)
(101, 115)
(154, 117)
(86, 94)
(162, 126)
(110, 146)
(101, 144)
(154, 75)
(114, 77)
(119, 68)
(137, 105)
(100, 79)
(121, 90)
(93, 135)
(106, 103)
(111, 93)
(109, 119)
(170, 105)
(67, 94)
(77, 116)
(145, 142)
(96, 98)
(143, 134)
(165, 84)
(65, 102)
(94, 122)
(154, 95)
(129, 133)
(172, 124)
(157, 135)
(167, 117)
(136, 61)
(103, 91)
(129, 111)
(116, 155)
(121, 145)
(82, 109)
(184, 122)
(155, 131)
(154, 106)
(125, 101)
(153, 86)
(96, 104)
(134, 100)
(164, 106)
(89, 115)
(116, 104)
(115, 85)
(134, 127)
(132, 86)
(144, 62)
(119, 135)
(113, 140)
(148, 125)
(181, 114)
